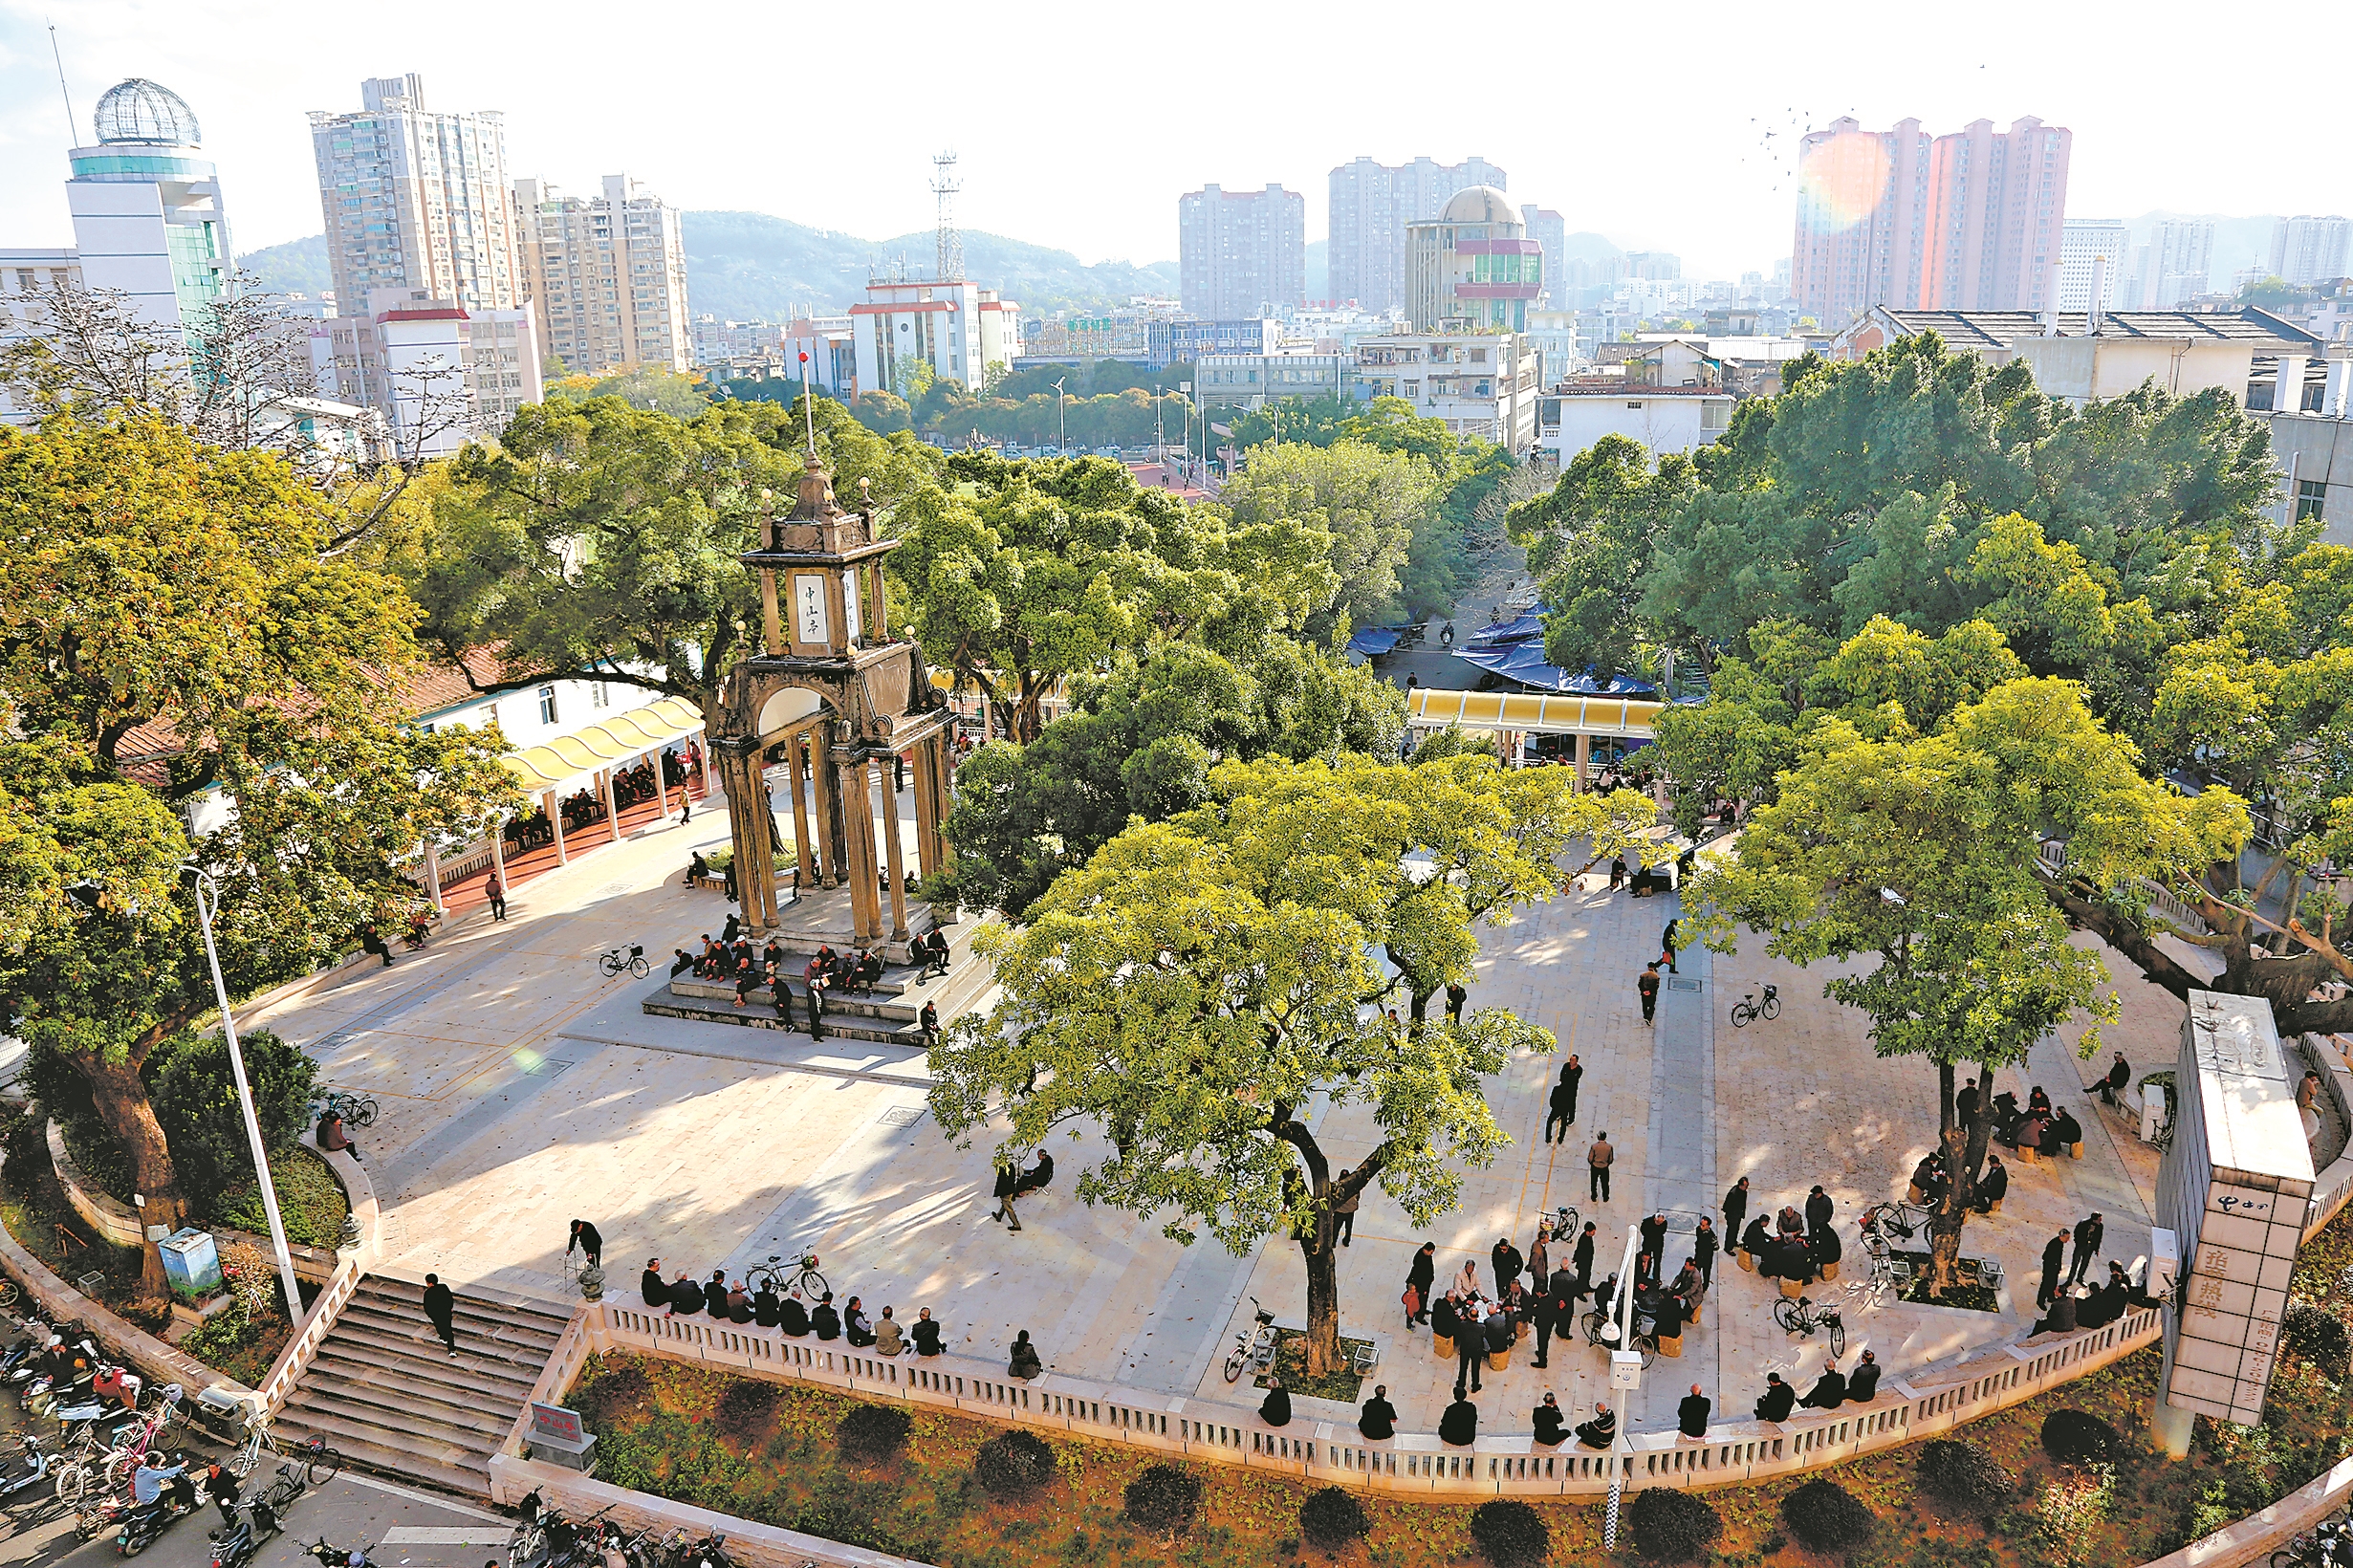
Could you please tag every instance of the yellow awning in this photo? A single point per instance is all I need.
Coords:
(1528, 713)
(623, 735)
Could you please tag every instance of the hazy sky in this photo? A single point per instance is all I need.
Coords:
(1079, 126)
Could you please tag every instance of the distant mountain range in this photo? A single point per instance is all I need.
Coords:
(746, 264)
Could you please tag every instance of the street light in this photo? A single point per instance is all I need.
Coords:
(207, 885)
(1061, 428)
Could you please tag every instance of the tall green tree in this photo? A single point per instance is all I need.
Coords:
(1194, 987)
(1369, 502)
(173, 622)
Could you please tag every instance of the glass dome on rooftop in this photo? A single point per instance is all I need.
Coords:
(139, 110)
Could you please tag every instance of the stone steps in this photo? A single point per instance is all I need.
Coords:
(384, 1392)
(889, 1015)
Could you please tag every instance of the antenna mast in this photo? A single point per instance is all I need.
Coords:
(945, 185)
(71, 134)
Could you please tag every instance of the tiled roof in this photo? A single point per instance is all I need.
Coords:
(2002, 329)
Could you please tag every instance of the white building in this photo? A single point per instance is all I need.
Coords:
(958, 329)
(1554, 336)
(2089, 246)
(2308, 250)
(2172, 263)
(1479, 383)
(1661, 419)
(607, 275)
(1251, 381)
(823, 350)
(439, 373)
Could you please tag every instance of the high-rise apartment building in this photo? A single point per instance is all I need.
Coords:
(1549, 230)
(1472, 268)
(1372, 203)
(2172, 263)
(1968, 220)
(607, 275)
(2306, 249)
(2090, 248)
(415, 200)
(1241, 252)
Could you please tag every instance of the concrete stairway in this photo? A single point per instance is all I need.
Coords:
(889, 1014)
(386, 1393)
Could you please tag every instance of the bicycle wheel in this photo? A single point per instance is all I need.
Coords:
(10, 1295)
(365, 1114)
(1592, 1324)
(1650, 1351)
(1740, 1016)
(1838, 1338)
(525, 1545)
(608, 965)
(1771, 1007)
(1234, 1367)
(118, 1471)
(1785, 1313)
(813, 1285)
(73, 1483)
(323, 1462)
(638, 966)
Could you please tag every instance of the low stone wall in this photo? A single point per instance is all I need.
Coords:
(749, 1544)
(114, 1221)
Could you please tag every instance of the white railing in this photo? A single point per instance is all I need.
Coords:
(327, 1307)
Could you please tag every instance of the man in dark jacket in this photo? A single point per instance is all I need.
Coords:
(652, 1286)
(1556, 1121)
(1571, 1076)
(1864, 1387)
(441, 1310)
(766, 1310)
(824, 1319)
(1455, 997)
(1704, 1248)
(1601, 1430)
(1508, 1262)
(685, 1295)
(1992, 1184)
(816, 1015)
(715, 1295)
(2054, 1267)
(792, 1317)
(1829, 1390)
(1818, 1209)
(1543, 1312)
(1692, 1415)
(1552, 1424)
(1735, 1211)
(1654, 1235)
(2120, 1075)
(926, 1334)
(1420, 1277)
(1378, 1418)
(1773, 1404)
(1008, 1188)
(1275, 1409)
(2088, 1235)
(1649, 987)
(584, 1236)
(1459, 1427)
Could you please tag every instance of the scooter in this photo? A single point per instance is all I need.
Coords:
(31, 1483)
(335, 1556)
(233, 1545)
(145, 1523)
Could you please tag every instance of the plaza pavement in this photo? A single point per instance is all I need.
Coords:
(519, 1090)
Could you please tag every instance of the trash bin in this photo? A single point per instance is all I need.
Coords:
(191, 1263)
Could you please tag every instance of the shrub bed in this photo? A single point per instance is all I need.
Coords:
(1670, 1526)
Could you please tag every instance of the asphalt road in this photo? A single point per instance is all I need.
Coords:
(400, 1528)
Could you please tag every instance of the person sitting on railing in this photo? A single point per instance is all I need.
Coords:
(1773, 1404)
(685, 1295)
(792, 1317)
(2119, 1079)
(331, 1136)
(1829, 1390)
(1601, 1430)
(855, 1327)
(1024, 1362)
(823, 1321)
(739, 1303)
(1459, 1427)
(890, 1338)
(766, 1310)
(1378, 1419)
(652, 1286)
(1552, 1425)
(1862, 1386)
(927, 1332)
(1275, 1409)
(2063, 1316)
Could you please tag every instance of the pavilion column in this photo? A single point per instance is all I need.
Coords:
(856, 806)
(554, 808)
(943, 801)
(702, 749)
(432, 875)
(498, 850)
(760, 828)
(824, 800)
(796, 764)
(1585, 758)
(894, 853)
(611, 808)
(927, 825)
(739, 837)
(662, 781)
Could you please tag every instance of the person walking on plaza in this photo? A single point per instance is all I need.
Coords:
(1555, 1309)
(1666, 945)
(497, 892)
(1648, 985)
(1596, 1162)
(1735, 1211)
(1583, 1260)
(1704, 1248)
(1008, 1188)
(1455, 996)
(1557, 1123)
(441, 1311)
(584, 1236)
(2088, 1235)
(2054, 1265)
(1692, 1415)
(1571, 1075)
(1420, 1277)
(1343, 1212)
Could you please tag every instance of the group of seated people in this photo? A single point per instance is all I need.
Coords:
(580, 809)
(1928, 1178)
(1786, 1248)
(2046, 1130)
(735, 958)
(1832, 1389)
(729, 1302)
(2092, 1306)
(1459, 1425)
(1499, 1320)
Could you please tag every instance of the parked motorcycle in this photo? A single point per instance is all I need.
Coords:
(145, 1522)
(30, 1482)
(337, 1557)
(233, 1545)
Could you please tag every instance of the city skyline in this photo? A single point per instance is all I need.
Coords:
(1707, 184)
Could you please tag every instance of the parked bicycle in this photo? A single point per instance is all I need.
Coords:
(1749, 1007)
(1601, 1331)
(357, 1110)
(803, 1277)
(1801, 1317)
(1564, 1226)
(1254, 1348)
(630, 959)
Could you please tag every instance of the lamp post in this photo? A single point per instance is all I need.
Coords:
(1062, 430)
(207, 885)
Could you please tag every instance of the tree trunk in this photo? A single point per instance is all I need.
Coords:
(122, 1101)
(1317, 1249)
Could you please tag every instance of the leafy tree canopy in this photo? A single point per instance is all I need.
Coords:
(1369, 502)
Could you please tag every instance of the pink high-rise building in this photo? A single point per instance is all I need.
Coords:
(1969, 221)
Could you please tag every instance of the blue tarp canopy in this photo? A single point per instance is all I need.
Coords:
(1528, 625)
(1373, 641)
(1524, 662)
